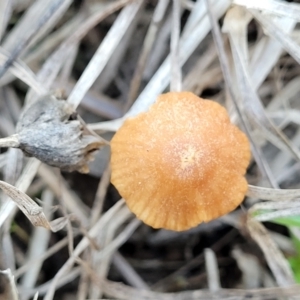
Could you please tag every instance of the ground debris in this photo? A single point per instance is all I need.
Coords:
(50, 130)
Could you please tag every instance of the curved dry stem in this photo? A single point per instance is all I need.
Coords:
(10, 142)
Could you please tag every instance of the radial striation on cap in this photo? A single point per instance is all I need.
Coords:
(181, 163)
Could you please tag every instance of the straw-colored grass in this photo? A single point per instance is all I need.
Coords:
(110, 60)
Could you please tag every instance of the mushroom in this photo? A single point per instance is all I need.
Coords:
(181, 163)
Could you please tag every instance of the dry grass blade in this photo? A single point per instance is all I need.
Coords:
(280, 8)
(29, 207)
(128, 272)
(229, 85)
(21, 71)
(61, 191)
(13, 103)
(121, 238)
(100, 195)
(84, 243)
(161, 47)
(276, 261)
(120, 291)
(195, 17)
(84, 284)
(47, 12)
(14, 165)
(22, 184)
(5, 14)
(38, 245)
(161, 78)
(262, 211)
(212, 270)
(266, 53)
(187, 45)
(250, 267)
(9, 142)
(286, 117)
(65, 74)
(45, 47)
(272, 194)
(101, 260)
(284, 243)
(176, 76)
(37, 20)
(13, 292)
(53, 64)
(251, 102)
(156, 21)
(111, 60)
(104, 52)
(203, 69)
(271, 29)
(40, 259)
(28, 173)
(42, 289)
(2, 160)
(99, 104)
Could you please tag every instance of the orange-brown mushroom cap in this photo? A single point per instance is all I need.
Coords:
(181, 163)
